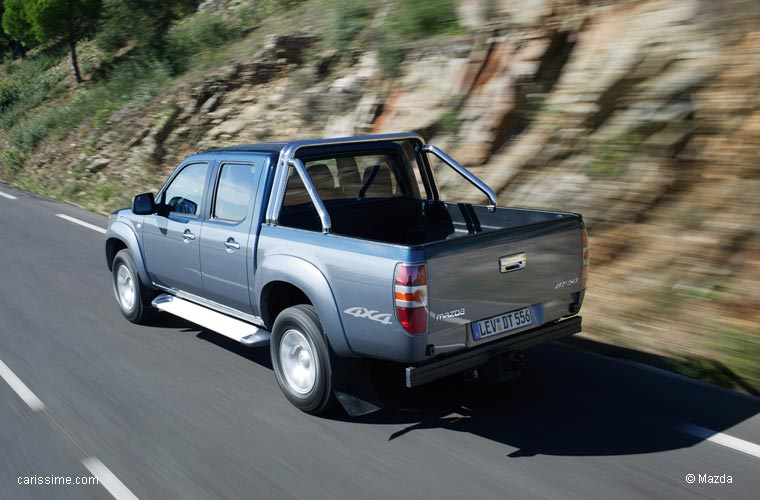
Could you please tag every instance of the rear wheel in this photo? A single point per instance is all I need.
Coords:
(131, 295)
(301, 359)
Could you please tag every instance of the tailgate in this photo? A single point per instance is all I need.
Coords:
(487, 275)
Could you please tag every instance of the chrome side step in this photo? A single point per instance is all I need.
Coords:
(245, 333)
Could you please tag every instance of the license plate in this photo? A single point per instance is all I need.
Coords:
(501, 323)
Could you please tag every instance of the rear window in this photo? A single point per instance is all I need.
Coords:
(354, 177)
(234, 191)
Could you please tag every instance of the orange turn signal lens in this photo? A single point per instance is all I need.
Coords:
(417, 296)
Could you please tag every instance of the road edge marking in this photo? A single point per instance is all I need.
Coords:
(716, 437)
(81, 223)
(9, 196)
(108, 479)
(20, 388)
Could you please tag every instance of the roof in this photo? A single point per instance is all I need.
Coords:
(295, 145)
(262, 146)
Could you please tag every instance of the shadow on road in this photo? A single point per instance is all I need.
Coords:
(568, 403)
(257, 355)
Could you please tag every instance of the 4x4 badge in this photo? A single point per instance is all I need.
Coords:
(363, 312)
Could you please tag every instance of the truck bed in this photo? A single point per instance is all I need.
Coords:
(403, 221)
(462, 245)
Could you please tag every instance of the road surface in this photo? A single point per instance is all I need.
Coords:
(172, 411)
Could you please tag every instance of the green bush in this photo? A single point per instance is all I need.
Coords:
(25, 86)
(144, 23)
(411, 20)
(11, 162)
(133, 82)
(266, 8)
(347, 19)
(390, 55)
(9, 92)
(414, 19)
(117, 26)
(449, 122)
(195, 34)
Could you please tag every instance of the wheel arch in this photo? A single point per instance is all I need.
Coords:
(295, 276)
(119, 237)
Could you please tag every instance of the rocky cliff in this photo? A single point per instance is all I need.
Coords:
(642, 115)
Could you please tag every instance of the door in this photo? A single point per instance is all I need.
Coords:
(171, 239)
(228, 237)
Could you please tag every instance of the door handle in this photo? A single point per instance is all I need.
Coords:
(513, 262)
(231, 244)
(187, 236)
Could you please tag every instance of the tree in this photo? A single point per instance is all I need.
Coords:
(145, 22)
(52, 20)
(16, 23)
(6, 42)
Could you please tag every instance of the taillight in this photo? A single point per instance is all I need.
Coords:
(410, 294)
(586, 254)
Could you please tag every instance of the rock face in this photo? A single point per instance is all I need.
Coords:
(642, 115)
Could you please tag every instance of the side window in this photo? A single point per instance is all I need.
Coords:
(234, 191)
(185, 193)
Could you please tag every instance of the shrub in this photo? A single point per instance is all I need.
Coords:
(194, 34)
(9, 92)
(11, 162)
(347, 19)
(412, 20)
(25, 86)
(390, 55)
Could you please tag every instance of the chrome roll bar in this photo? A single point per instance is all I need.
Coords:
(324, 217)
(472, 178)
(287, 157)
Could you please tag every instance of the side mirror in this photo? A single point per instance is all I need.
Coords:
(144, 204)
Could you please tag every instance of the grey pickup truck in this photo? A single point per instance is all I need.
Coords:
(336, 251)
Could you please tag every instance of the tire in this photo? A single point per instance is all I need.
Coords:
(301, 359)
(131, 295)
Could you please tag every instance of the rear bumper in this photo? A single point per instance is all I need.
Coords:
(476, 356)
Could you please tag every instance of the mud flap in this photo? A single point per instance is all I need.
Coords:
(353, 386)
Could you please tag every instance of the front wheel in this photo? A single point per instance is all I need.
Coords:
(131, 295)
(301, 359)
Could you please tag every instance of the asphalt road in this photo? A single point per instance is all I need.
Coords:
(172, 411)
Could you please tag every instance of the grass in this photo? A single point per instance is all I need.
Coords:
(130, 84)
(347, 18)
(732, 365)
(26, 84)
(449, 122)
(738, 351)
(610, 159)
(97, 194)
(196, 38)
(408, 21)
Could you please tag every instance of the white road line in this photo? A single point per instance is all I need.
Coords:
(108, 480)
(6, 195)
(722, 439)
(20, 388)
(82, 223)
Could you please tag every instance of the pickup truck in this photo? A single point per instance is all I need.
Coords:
(336, 251)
